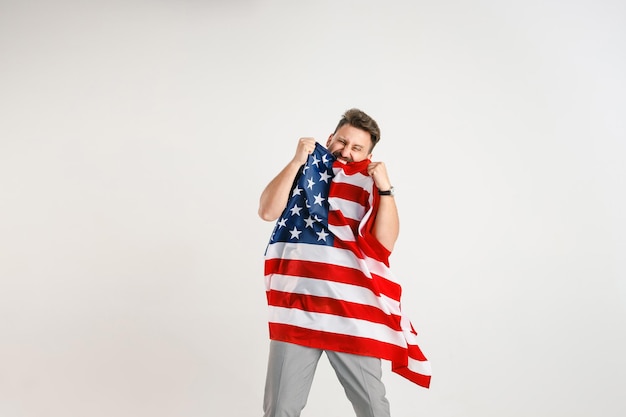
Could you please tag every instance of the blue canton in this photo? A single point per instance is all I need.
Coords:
(305, 219)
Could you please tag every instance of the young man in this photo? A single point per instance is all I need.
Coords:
(328, 285)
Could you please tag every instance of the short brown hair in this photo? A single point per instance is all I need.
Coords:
(360, 120)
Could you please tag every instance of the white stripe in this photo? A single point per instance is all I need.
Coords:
(358, 179)
(329, 255)
(343, 233)
(419, 367)
(335, 290)
(367, 215)
(410, 337)
(348, 208)
(378, 268)
(336, 324)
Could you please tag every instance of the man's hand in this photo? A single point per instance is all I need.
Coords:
(306, 146)
(387, 223)
(378, 172)
(275, 195)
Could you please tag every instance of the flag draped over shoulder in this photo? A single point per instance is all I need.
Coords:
(327, 277)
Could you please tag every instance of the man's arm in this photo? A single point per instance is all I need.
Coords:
(275, 195)
(387, 223)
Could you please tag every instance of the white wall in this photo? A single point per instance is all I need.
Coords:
(136, 137)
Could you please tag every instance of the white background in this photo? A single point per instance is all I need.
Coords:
(136, 137)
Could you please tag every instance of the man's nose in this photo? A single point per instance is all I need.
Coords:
(345, 152)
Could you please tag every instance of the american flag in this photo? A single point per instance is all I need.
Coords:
(327, 278)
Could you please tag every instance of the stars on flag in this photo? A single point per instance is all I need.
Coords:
(305, 219)
(322, 235)
(295, 233)
(324, 176)
(309, 221)
(319, 199)
(295, 210)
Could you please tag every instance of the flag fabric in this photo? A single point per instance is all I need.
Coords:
(328, 281)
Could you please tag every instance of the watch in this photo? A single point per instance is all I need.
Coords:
(390, 192)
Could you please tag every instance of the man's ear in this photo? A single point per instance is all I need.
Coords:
(330, 137)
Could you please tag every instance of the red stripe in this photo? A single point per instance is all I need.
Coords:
(337, 342)
(318, 270)
(389, 288)
(348, 245)
(419, 379)
(416, 353)
(336, 218)
(349, 344)
(335, 273)
(349, 192)
(352, 168)
(327, 305)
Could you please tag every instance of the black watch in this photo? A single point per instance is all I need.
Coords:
(390, 192)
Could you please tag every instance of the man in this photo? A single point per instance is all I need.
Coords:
(328, 285)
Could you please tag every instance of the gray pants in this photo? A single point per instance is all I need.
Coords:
(290, 374)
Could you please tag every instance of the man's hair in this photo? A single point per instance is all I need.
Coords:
(360, 120)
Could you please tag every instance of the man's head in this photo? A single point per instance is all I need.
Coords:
(354, 137)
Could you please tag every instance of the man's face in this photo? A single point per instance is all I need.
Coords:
(350, 144)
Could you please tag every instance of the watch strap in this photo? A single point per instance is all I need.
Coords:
(386, 192)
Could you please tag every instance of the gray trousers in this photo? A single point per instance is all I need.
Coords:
(290, 372)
